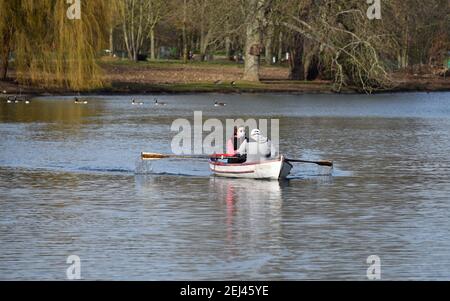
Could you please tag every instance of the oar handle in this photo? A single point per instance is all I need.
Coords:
(321, 162)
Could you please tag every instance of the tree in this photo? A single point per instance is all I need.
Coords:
(157, 11)
(414, 27)
(213, 24)
(49, 48)
(268, 41)
(255, 11)
(349, 43)
(135, 24)
(185, 46)
(7, 9)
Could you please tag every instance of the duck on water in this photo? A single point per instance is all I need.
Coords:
(219, 104)
(18, 99)
(78, 101)
(134, 102)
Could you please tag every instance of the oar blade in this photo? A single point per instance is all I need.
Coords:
(152, 156)
(325, 163)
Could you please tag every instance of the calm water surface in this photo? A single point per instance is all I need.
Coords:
(68, 186)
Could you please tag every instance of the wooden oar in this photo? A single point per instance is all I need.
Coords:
(156, 156)
(321, 162)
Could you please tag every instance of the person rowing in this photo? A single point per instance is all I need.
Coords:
(258, 148)
(233, 144)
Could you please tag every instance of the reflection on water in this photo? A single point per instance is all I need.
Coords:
(67, 186)
(246, 201)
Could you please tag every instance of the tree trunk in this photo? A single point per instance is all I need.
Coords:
(300, 48)
(280, 46)
(312, 70)
(185, 48)
(129, 35)
(202, 33)
(228, 47)
(204, 43)
(269, 55)
(111, 41)
(227, 41)
(311, 60)
(268, 44)
(4, 67)
(253, 40)
(252, 50)
(152, 44)
(5, 50)
(296, 66)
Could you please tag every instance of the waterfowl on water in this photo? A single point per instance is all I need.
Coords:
(77, 101)
(219, 104)
(133, 102)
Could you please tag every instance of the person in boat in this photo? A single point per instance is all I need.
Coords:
(257, 148)
(233, 144)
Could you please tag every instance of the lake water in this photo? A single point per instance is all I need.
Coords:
(68, 187)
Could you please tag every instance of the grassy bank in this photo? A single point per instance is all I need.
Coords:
(172, 76)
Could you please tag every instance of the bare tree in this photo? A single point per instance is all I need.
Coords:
(215, 22)
(135, 24)
(348, 42)
(157, 11)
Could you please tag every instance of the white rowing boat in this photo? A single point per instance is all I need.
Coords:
(273, 169)
(220, 165)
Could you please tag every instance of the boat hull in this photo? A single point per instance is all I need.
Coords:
(273, 169)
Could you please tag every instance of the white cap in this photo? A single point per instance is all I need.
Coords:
(255, 132)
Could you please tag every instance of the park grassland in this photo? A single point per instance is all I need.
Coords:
(123, 76)
(173, 76)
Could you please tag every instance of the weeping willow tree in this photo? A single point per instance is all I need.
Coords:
(6, 34)
(52, 50)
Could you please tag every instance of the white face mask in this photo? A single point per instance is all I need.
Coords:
(240, 133)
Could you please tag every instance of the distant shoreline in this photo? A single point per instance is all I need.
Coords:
(167, 77)
(36, 92)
